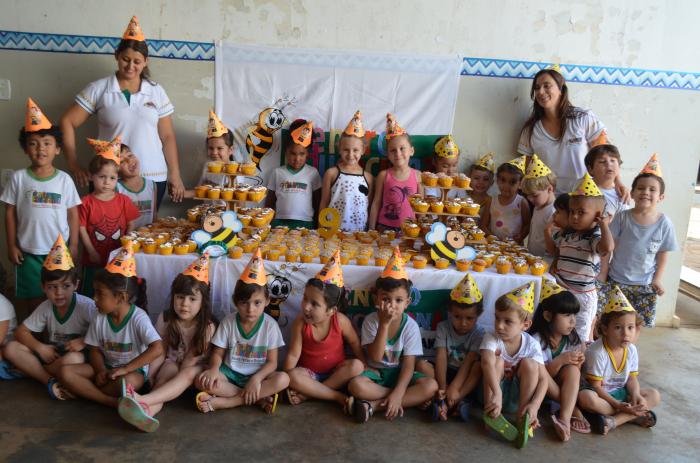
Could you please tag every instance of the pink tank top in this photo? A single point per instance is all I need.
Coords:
(395, 206)
(322, 356)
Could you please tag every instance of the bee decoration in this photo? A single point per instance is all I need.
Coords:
(218, 233)
(280, 286)
(259, 139)
(450, 245)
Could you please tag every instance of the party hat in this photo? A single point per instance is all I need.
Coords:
(537, 168)
(332, 273)
(617, 302)
(653, 166)
(586, 187)
(124, 262)
(59, 257)
(133, 31)
(447, 148)
(394, 267)
(107, 149)
(199, 269)
(254, 272)
(486, 161)
(554, 67)
(549, 288)
(519, 162)
(393, 129)
(355, 127)
(216, 128)
(524, 297)
(466, 291)
(35, 119)
(302, 135)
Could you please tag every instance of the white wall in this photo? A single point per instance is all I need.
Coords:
(640, 34)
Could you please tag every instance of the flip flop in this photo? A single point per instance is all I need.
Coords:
(464, 408)
(349, 405)
(204, 406)
(502, 426)
(560, 427)
(599, 422)
(294, 397)
(363, 411)
(523, 432)
(585, 426)
(646, 421)
(8, 373)
(137, 414)
(269, 404)
(56, 391)
(436, 407)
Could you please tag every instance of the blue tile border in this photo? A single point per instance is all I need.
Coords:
(481, 67)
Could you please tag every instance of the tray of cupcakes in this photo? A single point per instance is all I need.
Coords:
(239, 193)
(434, 206)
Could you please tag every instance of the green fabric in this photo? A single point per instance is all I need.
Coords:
(119, 327)
(619, 394)
(255, 329)
(388, 377)
(86, 281)
(564, 342)
(127, 95)
(28, 277)
(292, 224)
(69, 312)
(143, 186)
(235, 378)
(44, 179)
(293, 171)
(511, 394)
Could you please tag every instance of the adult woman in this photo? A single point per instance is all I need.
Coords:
(129, 104)
(561, 134)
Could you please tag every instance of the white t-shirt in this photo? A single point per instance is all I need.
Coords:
(407, 341)
(540, 219)
(144, 200)
(60, 330)
(136, 121)
(600, 366)
(529, 349)
(564, 346)
(247, 353)
(7, 312)
(121, 344)
(294, 192)
(565, 156)
(42, 208)
(457, 345)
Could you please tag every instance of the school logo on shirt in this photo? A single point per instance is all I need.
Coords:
(392, 357)
(143, 206)
(294, 187)
(120, 347)
(246, 353)
(45, 199)
(575, 141)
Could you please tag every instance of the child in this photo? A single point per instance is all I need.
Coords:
(603, 163)
(64, 317)
(392, 341)
(294, 189)
(347, 187)
(538, 186)
(515, 379)
(105, 215)
(445, 161)
(613, 395)
(508, 214)
(140, 190)
(186, 328)
(482, 174)
(643, 238)
(390, 206)
(579, 250)
(8, 323)
(250, 339)
(40, 202)
(122, 340)
(316, 361)
(553, 328)
(457, 342)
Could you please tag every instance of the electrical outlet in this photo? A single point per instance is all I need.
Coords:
(5, 89)
(5, 176)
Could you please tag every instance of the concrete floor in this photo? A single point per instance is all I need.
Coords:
(33, 428)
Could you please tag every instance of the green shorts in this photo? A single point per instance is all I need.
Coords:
(292, 224)
(619, 394)
(28, 277)
(235, 378)
(510, 394)
(388, 377)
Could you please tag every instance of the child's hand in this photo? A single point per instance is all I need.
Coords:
(639, 401)
(251, 391)
(14, 254)
(573, 357)
(101, 378)
(74, 345)
(386, 313)
(94, 256)
(452, 395)
(207, 378)
(657, 286)
(532, 410)
(48, 353)
(116, 373)
(624, 193)
(603, 219)
(393, 405)
(493, 409)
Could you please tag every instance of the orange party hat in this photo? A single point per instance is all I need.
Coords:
(466, 291)
(332, 273)
(107, 149)
(35, 119)
(519, 162)
(447, 148)
(486, 161)
(524, 297)
(537, 168)
(394, 267)
(393, 129)
(124, 262)
(355, 127)
(199, 269)
(133, 31)
(59, 257)
(586, 187)
(653, 166)
(254, 272)
(216, 128)
(302, 135)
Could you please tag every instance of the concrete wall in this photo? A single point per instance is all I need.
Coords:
(640, 34)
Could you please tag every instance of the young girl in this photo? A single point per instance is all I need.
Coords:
(140, 190)
(122, 340)
(613, 395)
(554, 328)
(481, 174)
(251, 340)
(396, 184)
(105, 215)
(294, 189)
(508, 214)
(445, 162)
(347, 187)
(316, 361)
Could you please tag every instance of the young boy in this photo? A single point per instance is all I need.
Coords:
(140, 190)
(538, 186)
(603, 163)
(457, 341)
(643, 238)
(392, 341)
(64, 317)
(40, 202)
(482, 175)
(580, 248)
(445, 161)
(515, 379)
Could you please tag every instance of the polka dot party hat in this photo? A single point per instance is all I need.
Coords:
(447, 148)
(537, 168)
(549, 288)
(486, 161)
(519, 162)
(524, 297)
(617, 302)
(466, 291)
(586, 187)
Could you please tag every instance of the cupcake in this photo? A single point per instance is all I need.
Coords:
(259, 221)
(503, 265)
(248, 168)
(257, 193)
(472, 209)
(214, 193)
(235, 252)
(292, 256)
(429, 179)
(362, 259)
(182, 249)
(462, 264)
(478, 265)
(411, 229)
(245, 219)
(241, 192)
(307, 257)
(437, 207)
(452, 207)
(421, 206)
(215, 167)
(231, 167)
(227, 194)
(165, 249)
(419, 261)
(272, 254)
(441, 263)
(538, 268)
(444, 180)
(380, 261)
(462, 181)
(200, 191)
(477, 234)
(520, 266)
(192, 246)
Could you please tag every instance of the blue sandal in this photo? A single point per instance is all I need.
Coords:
(8, 372)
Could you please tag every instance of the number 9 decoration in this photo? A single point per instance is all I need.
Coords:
(328, 222)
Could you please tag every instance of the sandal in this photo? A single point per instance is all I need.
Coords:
(349, 405)
(269, 404)
(137, 414)
(204, 405)
(648, 420)
(580, 425)
(57, 391)
(294, 397)
(562, 430)
(363, 411)
(8, 372)
(502, 426)
(464, 408)
(439, 410)
(524, 432)
(601, 424)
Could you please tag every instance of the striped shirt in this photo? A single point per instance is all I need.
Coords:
(579, 261)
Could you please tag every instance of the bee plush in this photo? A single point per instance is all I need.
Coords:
(270, 120)
(218, 233)
(450, 245)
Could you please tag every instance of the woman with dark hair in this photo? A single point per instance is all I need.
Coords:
(130, 104)
(560, 133)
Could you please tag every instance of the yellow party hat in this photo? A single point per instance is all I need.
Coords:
(653, 166)
(107, 149)
(486, 161)
(466, 291)
(617, 302)
(254, 272)
(133, 31)
(35, 119)
(394, 267)
(554, 67)
(59, 257)
(447, 148)
(519, 162)
(537, 168)
(524, 297)
(124, 262)
(355, 127)
(332, 273)
(586, 187)
(199, 269)
(215, 128)
(549, 288)
(302, 135)
(393, 129)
